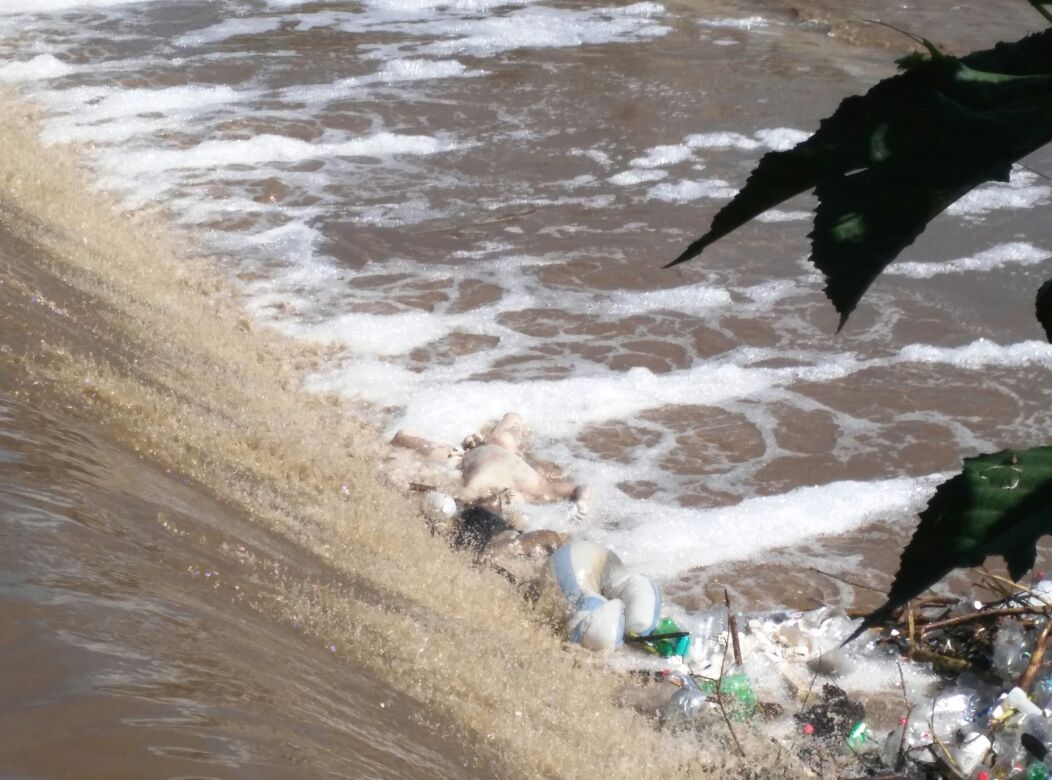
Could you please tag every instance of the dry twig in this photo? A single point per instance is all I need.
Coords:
(976, 616)
(723, 710)
(1026, 681)
(732, 624)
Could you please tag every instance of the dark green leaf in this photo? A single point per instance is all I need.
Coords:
(1044, 308)
(868, 217)
(886, 163)
(1039, 6)
(1000, 504)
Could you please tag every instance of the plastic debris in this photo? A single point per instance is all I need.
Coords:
(1037, 771)
(686, 704)
(971, 752)
(737, 694)
(667, 648)
(835, 716)
(438, 507)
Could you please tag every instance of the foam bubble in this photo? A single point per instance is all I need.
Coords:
(560, 408)
(1018, 193)
(659, 156)
(722, 140)
(391, 72)
(43, 66)
(781, 139)
(692, 298)
(544, 28)
(778, 215)
(980, 354)
(685, 191)
(1015, 253)
(102, 114)
(745, 23)
(272, 148)
(666, 540)
(595, 155)
(230, 28)
(628, 178)
(369, 334)
(51, 6)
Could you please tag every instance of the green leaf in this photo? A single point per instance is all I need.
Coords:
(1000, 504)
(1044, 308)
(1039, 7)
(888, 162)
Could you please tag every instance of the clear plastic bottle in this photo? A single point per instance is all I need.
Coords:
(1011, 649)
(685, 705)
(893, 745)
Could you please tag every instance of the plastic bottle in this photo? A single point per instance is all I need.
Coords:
(739, 699)
(685, 705)
(893, 745)
(1011, 649)
(670, 647)
(1037, 771)
(858, 737)
(1019, 701)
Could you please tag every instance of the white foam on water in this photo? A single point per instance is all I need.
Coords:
(660, 156)
(531, 27)
(1019, 193)
(685, 190)
(230, 28)
(595, 155)
(399, 334)
(981, 353)
(628, 178)
(778, 215)
(1000, 256)
(43, 66)
(398, 71)
(666, 540)
(51, 6)
(271, 148)
(721, 140)
(415, 7)
(744, 23)
(113, 115)
(559, 409)
(689, 299)
(780, 139)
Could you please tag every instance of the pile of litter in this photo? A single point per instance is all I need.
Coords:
(950, 688)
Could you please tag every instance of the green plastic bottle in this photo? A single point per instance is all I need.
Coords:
(858, 736)
(739, 699)
(670, 647)
(1037, 771)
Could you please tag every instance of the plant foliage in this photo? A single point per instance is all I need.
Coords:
(882, 167)
(1000, 504)
(887, 162)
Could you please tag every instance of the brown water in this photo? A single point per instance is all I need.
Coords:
(202, 576)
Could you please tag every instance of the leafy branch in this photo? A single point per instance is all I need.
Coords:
(882, 167)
